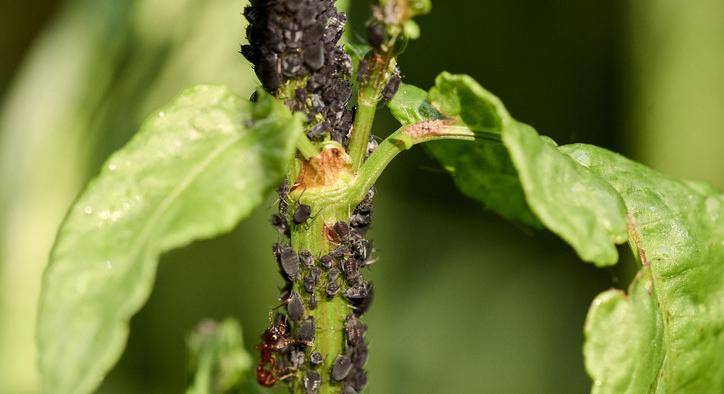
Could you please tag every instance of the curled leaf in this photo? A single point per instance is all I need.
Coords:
(677, 230)
(573, 202)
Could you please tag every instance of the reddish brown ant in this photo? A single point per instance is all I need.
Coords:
(273, 340)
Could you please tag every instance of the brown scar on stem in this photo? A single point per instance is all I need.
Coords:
(427, 129)
(323, 170)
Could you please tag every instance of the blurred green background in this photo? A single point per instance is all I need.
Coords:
(466, 302)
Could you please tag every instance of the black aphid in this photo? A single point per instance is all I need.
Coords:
(361, 249)
(360, 219)
(302, 213)
(348, 389)
(314, 56)
(283, 193)
(316, 358)
(358, 292)
(358, 380)
(312, 301)
(309, 283)
(292, 65)
(286, 292)
(316, 273)
(308, 15)
(354, 330)
(295, 307)
(277, 250)
(297, 40)
(280, 224)
(297, 358)
(306, 330)
(326, 261)
(306, 258)
(359, 355)
(290, 262)
(268, 72)
(341, 367)
(361, 298)
(350, 268)
(332, 289)
(340, 251)
(341, 231)
(316, 133)
(393, 85)
(367, 204)
(363, 69)
(333, 274)
(312, 382)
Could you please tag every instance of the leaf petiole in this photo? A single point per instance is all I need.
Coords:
(306, 147)
(399, 141)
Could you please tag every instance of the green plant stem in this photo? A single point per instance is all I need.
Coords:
(399, 141)
(334, 203)
(330, 313)
(364, 118)
(306, 147)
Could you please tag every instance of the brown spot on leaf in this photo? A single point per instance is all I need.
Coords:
(636, 238)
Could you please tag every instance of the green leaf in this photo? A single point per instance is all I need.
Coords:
(669, 338)
(576, 204)
(195, 169)
(218, 361)
(624, 345)
(667, 334)
(514, 171)
(482, 170)
(461, 98)
(411, 30)
(410, 106)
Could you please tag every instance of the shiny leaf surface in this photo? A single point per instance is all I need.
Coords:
(193, 171)
(514, 171)
(670, 337)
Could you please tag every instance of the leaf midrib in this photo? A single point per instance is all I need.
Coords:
(166, 202)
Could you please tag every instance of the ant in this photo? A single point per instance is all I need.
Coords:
(273, 340)
(276, 340)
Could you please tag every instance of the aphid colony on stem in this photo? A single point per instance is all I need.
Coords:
(297, 40)
(288, 344)
(293, 46)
